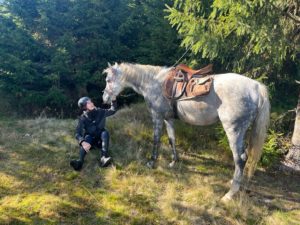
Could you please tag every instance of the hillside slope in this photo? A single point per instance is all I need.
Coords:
(37, 185)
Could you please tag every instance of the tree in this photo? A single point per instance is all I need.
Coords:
(53, 52)
(296, 133)
(21, 74)
(244, 35)
(292, 159)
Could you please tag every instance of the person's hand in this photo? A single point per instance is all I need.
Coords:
(86, 146)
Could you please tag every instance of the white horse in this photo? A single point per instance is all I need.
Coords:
(239, 102)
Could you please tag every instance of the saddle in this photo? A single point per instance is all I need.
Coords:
(182, 82)
(191, 72)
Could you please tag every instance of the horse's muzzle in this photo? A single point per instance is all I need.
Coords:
(106, 97)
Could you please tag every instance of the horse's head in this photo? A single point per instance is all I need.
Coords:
(113, 83)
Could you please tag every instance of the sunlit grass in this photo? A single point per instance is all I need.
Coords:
(37, 185)
(45, 206)
(284, 218)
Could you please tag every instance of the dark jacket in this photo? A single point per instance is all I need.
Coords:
(93, 122)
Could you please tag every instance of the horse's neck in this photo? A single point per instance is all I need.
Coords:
(140, 77)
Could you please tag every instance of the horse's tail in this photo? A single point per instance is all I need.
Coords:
(258, 132)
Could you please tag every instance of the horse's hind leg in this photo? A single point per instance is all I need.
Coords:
(236, 136)
(171, 135)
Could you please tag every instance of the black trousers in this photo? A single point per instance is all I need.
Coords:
(101, 141)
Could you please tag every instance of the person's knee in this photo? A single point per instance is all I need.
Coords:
(88, 139)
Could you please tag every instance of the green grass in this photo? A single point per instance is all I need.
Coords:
(37, 185)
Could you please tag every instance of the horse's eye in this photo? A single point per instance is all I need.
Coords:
(108, 80)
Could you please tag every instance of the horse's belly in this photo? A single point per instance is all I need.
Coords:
(197, 113)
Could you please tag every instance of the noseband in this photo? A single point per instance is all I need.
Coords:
(108, 90)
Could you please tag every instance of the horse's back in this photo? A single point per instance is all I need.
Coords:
(233, 97)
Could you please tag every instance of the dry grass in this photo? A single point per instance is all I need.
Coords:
(37, 185)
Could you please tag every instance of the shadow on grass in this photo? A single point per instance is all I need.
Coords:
(199, 216)
(275, 189)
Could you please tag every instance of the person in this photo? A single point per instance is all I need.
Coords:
(91, 132)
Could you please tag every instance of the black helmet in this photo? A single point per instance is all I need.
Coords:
(82, 102)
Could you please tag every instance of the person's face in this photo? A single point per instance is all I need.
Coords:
(90, 105)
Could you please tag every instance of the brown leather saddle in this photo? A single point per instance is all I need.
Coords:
(183, 82)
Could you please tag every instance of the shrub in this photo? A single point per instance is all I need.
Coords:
(273, 148)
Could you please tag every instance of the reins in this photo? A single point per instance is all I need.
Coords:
(182, 55)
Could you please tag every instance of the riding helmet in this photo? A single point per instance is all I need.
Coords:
(82, 102)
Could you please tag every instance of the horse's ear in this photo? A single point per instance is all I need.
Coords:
(104, 71)
(115, 68)
(109, 65)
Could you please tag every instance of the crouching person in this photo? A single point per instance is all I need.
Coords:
(91, 132)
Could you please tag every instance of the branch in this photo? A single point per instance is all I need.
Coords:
(281, 117)
(293, 17)
(287, 13)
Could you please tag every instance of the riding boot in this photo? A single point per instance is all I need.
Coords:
(82, 154)
(77, 164)
(105, 158)
(105, 143)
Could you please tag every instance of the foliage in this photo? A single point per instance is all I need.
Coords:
(273, 149)
(62, 46)
(53, 52)
(222, 139)
(246, 34)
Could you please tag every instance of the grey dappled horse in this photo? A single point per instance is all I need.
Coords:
(237, 101)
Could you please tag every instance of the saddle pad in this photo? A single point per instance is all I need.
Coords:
(198, 86)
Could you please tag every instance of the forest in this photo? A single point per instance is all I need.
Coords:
(53, 52)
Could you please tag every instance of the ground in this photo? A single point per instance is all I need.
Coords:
(291, 163)
(37, 185)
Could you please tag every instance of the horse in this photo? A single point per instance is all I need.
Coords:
(240, 103)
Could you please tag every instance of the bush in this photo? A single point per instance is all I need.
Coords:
(222, 139)
(273, 149)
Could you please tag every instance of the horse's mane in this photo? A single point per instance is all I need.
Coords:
(139, 74)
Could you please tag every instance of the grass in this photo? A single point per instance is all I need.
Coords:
(37, 185)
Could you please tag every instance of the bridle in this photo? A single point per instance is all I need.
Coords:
(109, 90)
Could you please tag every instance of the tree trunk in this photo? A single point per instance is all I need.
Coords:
(292, 159)
(296, 134)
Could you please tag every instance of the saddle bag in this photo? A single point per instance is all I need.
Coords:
(198, 86)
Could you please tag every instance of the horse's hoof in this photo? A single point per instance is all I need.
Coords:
(226, 198)
(150, 164)
(172, 164)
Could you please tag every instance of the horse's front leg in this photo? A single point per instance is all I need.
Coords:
(171, 135)
(157, 128)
